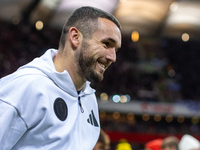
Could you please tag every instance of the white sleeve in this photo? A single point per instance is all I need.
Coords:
(12, 126)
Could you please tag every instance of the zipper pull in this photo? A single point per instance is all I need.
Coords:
(79, 102)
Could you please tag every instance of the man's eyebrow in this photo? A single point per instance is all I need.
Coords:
(112, 40)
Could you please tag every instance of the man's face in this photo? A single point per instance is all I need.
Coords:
(97, 53)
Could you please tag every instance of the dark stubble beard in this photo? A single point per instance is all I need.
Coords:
(87, 65)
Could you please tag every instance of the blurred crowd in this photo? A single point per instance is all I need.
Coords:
(19, 44)
(138, 125)
(186, 142)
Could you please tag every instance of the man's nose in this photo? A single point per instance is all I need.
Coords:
(111, 54)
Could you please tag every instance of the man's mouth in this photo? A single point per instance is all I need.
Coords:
(102, 65)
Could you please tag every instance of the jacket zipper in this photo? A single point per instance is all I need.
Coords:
(79, 102)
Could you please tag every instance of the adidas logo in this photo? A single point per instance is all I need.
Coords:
(92, 120)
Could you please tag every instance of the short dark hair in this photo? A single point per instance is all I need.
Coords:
(85, 19)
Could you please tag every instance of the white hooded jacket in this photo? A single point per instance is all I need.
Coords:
(41, 109)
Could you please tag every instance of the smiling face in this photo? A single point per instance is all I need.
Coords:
(97, 53)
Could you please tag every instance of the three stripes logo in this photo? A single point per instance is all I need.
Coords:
(92, 120)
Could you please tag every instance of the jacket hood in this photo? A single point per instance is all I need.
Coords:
(62, 80)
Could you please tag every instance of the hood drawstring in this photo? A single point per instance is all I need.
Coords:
(79, 102)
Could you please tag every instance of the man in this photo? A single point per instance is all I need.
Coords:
(170, 143)
(48, 104)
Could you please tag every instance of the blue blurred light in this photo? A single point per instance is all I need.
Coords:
(116, 98)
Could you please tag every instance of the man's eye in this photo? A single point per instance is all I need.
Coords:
(106, 43)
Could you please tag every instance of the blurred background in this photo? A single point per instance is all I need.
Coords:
(152, 91)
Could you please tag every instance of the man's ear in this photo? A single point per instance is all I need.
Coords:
(74, 36)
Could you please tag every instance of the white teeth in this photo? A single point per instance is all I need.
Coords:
(102, 65)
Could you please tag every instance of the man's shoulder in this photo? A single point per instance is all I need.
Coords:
(24, 78)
